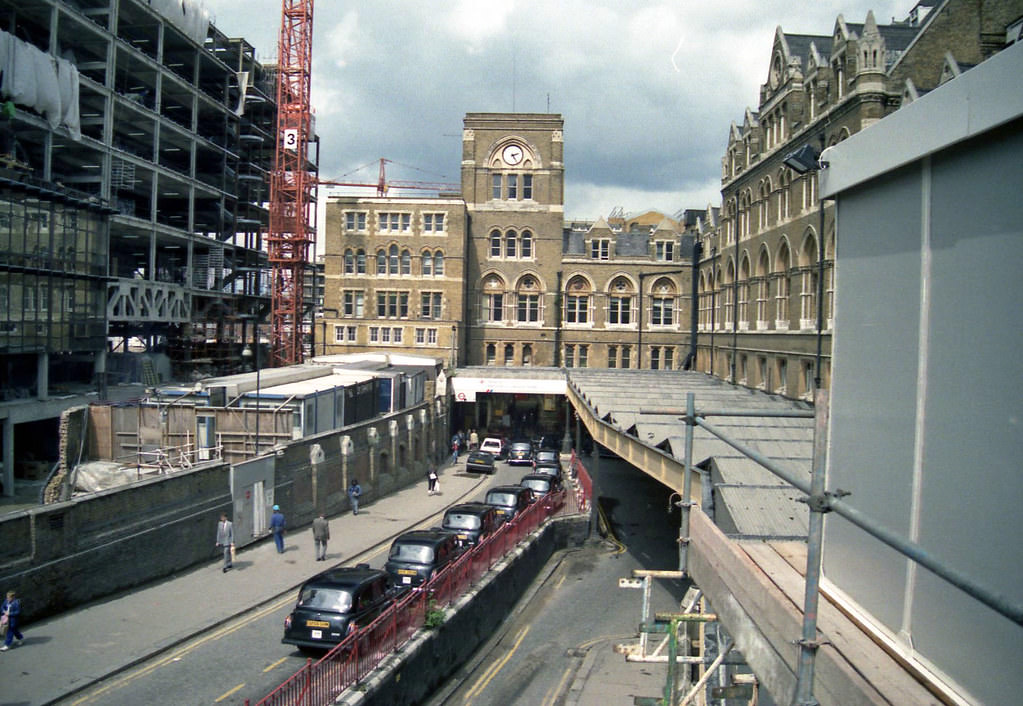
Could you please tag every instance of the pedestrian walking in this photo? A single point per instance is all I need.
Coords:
(454, 449)
(10, 616)
(225, 540)
(277, 527)
(434, 485)
(321, 533)
(474, 440)
(354, 493)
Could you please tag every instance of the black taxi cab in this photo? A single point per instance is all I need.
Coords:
(509, 500)
(417, 555)
(471, 522)
(334, 603)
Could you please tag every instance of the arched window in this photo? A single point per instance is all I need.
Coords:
(619, 302)
(406, 262)
(781, 290)
(349, 262)
(527, 300)
(509, 354)
(763, 288)
(427, 257)
(578, 297)
(495, 243)
(527, 354)
(662, 302)
(743, 289)
(360, 262)
(808, 283)
(438, 263)
(511, 244)
(493, 299)
(381, 262)
(392, 260)
(526, 244)
(491, 353)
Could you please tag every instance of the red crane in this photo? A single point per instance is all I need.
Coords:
(292, 183)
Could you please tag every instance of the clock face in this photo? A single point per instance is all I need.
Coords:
(512, 155)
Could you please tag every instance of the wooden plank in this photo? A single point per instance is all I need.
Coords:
(898, 680)
(851, 656)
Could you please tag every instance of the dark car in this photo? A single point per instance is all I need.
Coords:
(336, 602)
(541, 483)
(480, 462)
(509, 500)
(520, 452)
(417, 555)
(548, 462)
(471, 522)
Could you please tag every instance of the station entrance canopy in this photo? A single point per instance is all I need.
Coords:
(465, 388)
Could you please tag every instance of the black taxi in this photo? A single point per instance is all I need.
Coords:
(471, 522)
(334, 603)
(509, 500)
(417, 555)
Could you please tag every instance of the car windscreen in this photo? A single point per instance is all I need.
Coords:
(329, 599)
(500, 498)
(546, 456)
(415, 553)
(540, 487)
(461, 520)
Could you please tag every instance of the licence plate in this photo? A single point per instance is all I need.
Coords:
(463, 536)
(406, 572)
(317, 624)
(500, 512)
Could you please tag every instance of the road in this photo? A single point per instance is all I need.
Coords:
(244, 658)
(534, 659)
(541, 653)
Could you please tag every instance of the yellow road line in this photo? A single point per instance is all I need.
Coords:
(229, 693)
(552, 695)
(275, 664)
(482, 682)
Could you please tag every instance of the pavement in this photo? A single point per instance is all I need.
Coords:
(115, 634)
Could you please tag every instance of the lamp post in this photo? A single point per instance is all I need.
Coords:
(639, 329)
(807, 159)
(248, 353)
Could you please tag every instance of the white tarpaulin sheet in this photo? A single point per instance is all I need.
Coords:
(465, 389)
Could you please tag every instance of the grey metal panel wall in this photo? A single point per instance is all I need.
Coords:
(927, 402)
(874, 385)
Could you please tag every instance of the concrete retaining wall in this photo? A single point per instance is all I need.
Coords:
(432, 656)
(65, 554)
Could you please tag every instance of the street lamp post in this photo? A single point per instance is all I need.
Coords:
(248, 353)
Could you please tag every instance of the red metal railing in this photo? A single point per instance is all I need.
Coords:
(319, 683)
(584, 485)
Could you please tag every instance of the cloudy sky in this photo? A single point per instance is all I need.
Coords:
(647, 89)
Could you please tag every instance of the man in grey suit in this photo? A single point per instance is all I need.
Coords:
(321, 533)
(225, 539)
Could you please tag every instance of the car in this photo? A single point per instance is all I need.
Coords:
(480, 462)
(547, 457)
(540, 483)
(334, 603)
(417, 555)
(543, 463)
(520, 452)
(509, 500)
(493, 445)
(471, 522)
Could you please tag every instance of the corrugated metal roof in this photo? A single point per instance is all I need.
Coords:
(650, 404)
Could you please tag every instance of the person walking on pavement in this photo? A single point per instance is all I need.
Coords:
(225, 539)
(277, 527)
(354, 493)
(10, 613)
(321, 533)
(474, 440)
(434, 486)
(454, 449)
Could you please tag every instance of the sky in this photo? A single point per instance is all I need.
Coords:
(647, 89)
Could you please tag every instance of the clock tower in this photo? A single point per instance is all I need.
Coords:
(513, 187)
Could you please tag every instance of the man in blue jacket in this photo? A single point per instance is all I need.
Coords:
(277, 527)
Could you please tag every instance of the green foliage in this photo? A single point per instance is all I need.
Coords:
(434, 616)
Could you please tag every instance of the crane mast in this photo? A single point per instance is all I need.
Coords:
(292, 184)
